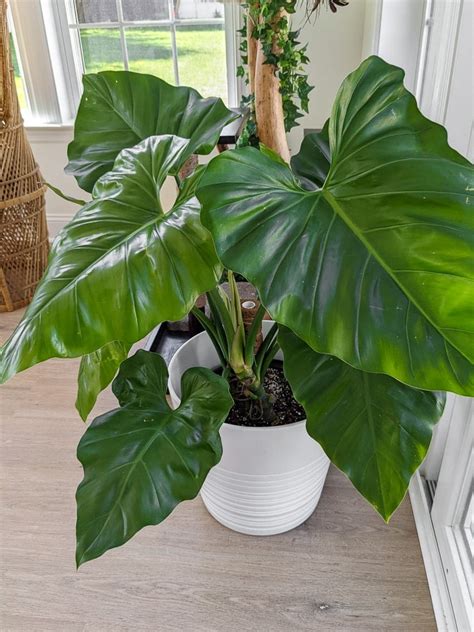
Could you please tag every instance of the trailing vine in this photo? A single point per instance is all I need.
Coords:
(280, 45)
(271, 27)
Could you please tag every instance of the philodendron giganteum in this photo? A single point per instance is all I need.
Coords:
(361, 250)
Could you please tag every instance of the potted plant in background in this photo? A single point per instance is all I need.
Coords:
(360, 251)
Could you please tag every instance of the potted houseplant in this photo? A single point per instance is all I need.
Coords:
(271, 473)
(360, 250)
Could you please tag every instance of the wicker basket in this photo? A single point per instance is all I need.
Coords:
(24, 241)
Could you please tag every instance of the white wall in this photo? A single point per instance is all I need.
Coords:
(448, 82)
(50, 151)
(335, 48)
(373, 14)
(401, 30)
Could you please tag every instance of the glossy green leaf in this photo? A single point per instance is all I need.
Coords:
(120, 267)
(312, 162)
(187, 187)
(119, 109)
(376, 266)
(374, 428)
(142, 459)
(96, 371)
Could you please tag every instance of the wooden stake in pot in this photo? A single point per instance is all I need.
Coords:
(249, 310)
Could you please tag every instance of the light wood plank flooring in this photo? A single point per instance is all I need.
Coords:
(343, 570)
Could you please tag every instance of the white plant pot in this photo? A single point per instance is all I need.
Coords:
(269, 479)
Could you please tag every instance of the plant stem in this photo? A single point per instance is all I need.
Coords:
(264, 349)
(212, 333)
(236, 347)
(221, 315)
(253, 333)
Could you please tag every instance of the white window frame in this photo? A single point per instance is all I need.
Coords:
(453, 508)
(12, 32)
(51, 60)
(33, 53)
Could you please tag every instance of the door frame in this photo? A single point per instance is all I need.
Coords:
(451, 506)
(420, 499)
(437, 519)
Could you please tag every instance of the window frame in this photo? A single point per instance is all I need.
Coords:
(50, 54)
(33, 54)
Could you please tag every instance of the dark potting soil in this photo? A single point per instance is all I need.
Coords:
(247, 412)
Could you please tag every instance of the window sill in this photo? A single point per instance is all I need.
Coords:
(48, 133)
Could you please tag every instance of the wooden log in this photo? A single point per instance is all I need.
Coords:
(269, 106)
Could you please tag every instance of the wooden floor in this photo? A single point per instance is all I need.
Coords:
(343, 570)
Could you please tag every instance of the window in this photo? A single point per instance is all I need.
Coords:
(180, 41)
(184, 42)
(17, 70)
(18, 73)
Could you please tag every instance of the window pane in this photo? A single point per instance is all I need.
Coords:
(149, 51)
(140, 10)
(19, 83)
(96, 11)
(202, 58)
(102, 49)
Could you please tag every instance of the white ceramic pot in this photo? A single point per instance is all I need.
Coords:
(269, 479)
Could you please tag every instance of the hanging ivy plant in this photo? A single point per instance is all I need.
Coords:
(271, 27)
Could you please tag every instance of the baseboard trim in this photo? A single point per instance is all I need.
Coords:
(56, 223)
(442, 607)
(59, 134)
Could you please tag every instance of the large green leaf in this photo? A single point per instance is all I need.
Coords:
(96, 371)
(142, 459)
(120, 267)
(374, 428)
(118, 109)
(376, 266)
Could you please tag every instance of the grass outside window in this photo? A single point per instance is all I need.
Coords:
(201, 54)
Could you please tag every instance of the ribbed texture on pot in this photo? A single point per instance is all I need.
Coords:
(270, 478)
(264, 504)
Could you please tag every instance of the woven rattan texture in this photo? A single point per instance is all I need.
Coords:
(23, 231)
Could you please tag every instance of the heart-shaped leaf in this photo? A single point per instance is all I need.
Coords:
(374, 428)
(119, 109)
(120, 267)
(96, 371)
(142, 459)
(376, 266)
